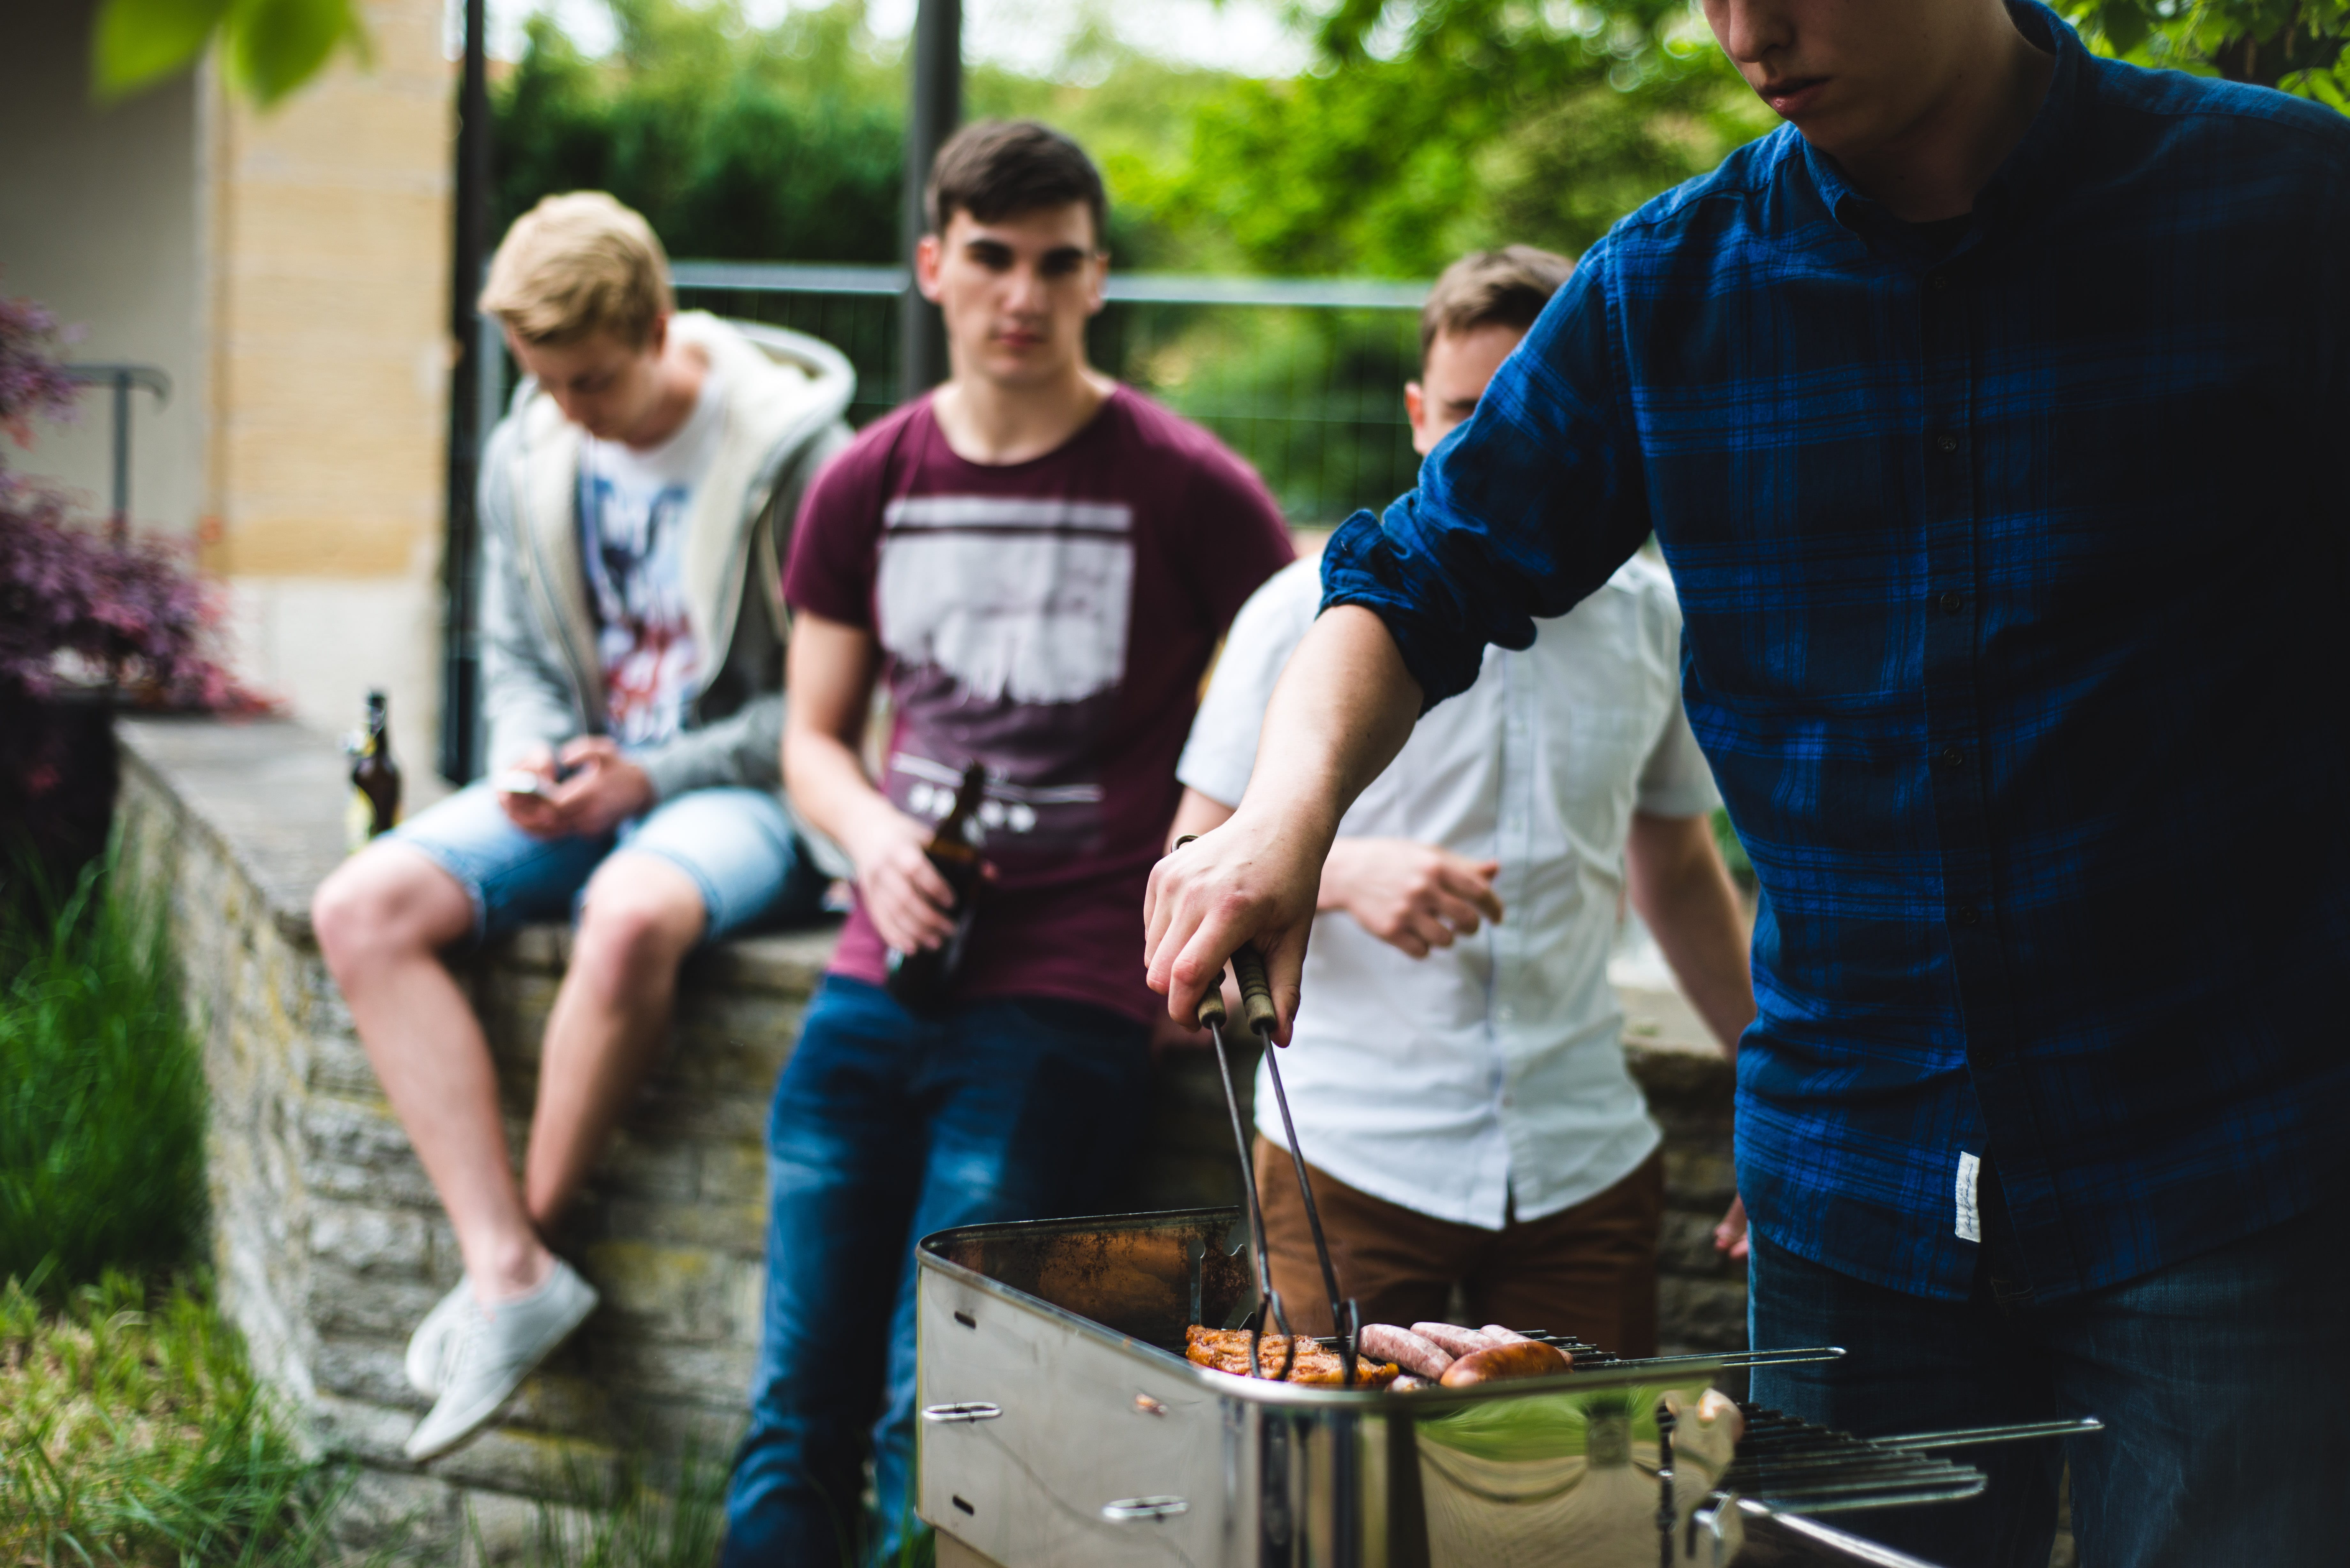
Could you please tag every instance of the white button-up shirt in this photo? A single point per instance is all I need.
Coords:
(1487, 1078)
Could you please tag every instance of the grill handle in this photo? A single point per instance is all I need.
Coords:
(1967, 1436)
(972, 1410)
(1126, 1509)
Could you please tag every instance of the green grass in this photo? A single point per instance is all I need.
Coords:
(132, 1434)
(628, 1518)
(101, 1094)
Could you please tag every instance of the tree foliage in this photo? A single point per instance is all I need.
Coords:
(733, 141)
(268, 48)
(1474, 122)
(1426, 130)
(2295, 45)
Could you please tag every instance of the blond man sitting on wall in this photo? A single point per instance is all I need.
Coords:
(634, 503)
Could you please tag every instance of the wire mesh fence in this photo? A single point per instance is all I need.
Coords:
(1304, 378)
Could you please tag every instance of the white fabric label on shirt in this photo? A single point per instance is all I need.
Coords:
(1970, 1220)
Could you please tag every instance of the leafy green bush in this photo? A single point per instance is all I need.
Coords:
(101, 1097)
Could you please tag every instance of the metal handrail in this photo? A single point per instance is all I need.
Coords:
(123, 378)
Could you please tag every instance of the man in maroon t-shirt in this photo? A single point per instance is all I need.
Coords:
(1039, 562)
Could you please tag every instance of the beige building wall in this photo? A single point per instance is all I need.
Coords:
(289, 273)
(330, 221)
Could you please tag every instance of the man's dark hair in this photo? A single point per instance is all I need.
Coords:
(998, 169)
(1507, 287)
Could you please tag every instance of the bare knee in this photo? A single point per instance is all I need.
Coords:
(641, 917)
(385, 904)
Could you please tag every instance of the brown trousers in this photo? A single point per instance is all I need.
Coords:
(1589, 1270)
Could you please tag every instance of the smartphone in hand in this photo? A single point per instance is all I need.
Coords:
(522, 781)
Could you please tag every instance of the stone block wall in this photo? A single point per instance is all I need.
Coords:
(330, 1246)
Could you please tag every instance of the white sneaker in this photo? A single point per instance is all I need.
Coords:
(435, 1337)
(493, 1353)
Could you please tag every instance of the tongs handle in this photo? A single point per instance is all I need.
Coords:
(1256, 991)
(1257, 995)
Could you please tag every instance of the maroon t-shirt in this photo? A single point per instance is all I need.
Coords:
(1050, 619)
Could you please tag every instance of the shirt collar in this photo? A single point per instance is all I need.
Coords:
(2026, 169)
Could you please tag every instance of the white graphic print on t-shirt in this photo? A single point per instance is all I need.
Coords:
(643, 637)
(1007, 617)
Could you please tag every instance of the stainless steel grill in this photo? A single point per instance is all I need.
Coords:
(1063, 1426)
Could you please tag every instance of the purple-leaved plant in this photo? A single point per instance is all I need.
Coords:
(32, 384)
(75, 609)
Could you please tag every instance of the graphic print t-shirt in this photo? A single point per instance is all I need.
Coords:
(634, 508)
(1050, 619)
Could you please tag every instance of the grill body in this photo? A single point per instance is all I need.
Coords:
(1061, 1424)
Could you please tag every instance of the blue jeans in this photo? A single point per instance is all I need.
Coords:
(886, 1128)
(2220, 1380)
(737, 845)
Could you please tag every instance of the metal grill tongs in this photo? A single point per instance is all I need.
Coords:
(1256, 1006)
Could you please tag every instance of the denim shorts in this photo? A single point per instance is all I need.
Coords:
(738, 845)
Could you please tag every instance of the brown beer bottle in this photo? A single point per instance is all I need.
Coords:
(375, 778)
(920, 981)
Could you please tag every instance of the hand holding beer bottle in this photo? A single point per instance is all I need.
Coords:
(920, 981)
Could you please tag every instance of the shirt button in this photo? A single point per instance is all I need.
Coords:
(1953, 603)
(1947, 441)
(1953, 757)
(1938, 281)
(1969, 915)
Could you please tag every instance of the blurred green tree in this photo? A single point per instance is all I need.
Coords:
(733, 141)
(1430, 129)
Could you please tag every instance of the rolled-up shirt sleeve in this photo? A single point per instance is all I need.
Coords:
(1520, 513)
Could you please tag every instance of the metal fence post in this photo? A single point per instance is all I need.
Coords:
(935, 109)
(473, 374)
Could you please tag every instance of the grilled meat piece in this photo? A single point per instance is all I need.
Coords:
(1227, 1350)
(1454, 1340)
(1407, 1350)
(1526, 1358)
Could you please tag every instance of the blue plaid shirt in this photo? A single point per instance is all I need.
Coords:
(2011, 575)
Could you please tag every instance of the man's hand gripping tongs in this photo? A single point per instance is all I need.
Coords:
(1256, 1005)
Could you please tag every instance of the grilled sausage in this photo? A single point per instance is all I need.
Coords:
(1412, 1351)
(1529, 1358)
(1500, 1336)
(1452, 1339)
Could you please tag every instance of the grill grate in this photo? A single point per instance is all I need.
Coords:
(1793, 1467)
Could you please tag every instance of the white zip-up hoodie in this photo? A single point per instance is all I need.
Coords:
(542, 683)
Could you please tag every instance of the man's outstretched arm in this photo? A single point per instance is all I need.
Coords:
(1342, 711)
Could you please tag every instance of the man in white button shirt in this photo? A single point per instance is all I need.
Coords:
(1468, 1117)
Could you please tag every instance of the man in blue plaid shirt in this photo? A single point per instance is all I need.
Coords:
(1992, 417)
